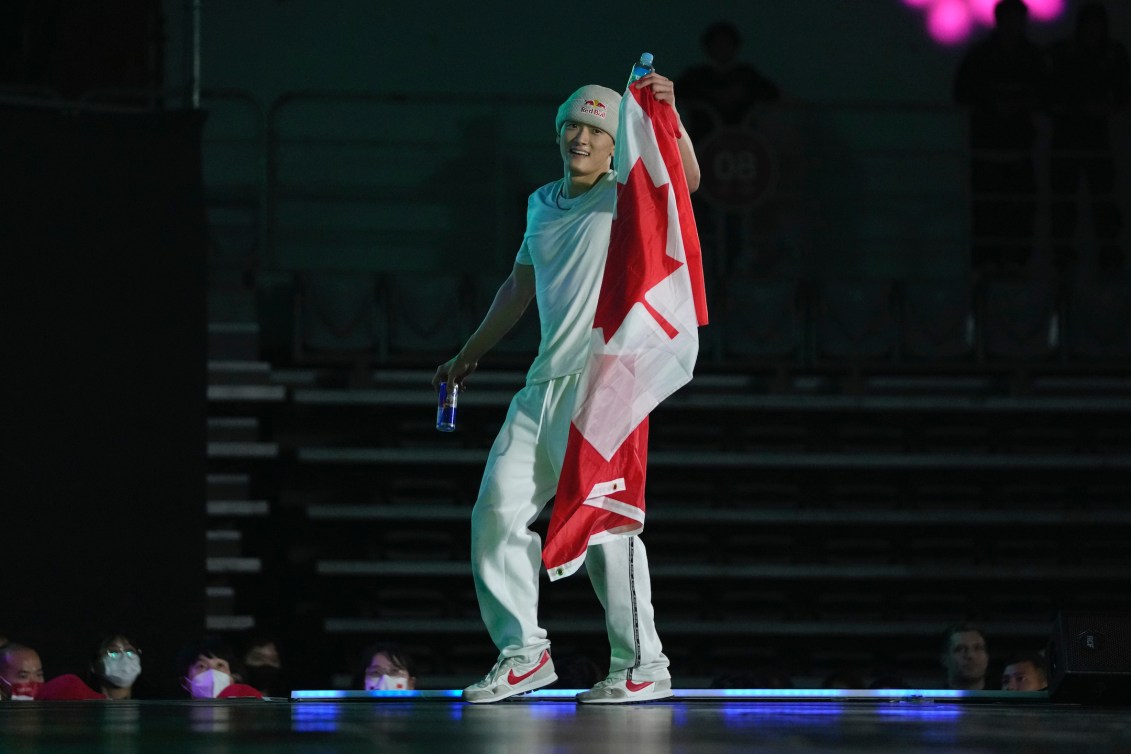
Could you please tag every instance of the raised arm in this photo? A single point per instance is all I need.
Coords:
(663, 89)
(510, 302)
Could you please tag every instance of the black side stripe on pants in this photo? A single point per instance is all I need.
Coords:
(632, 599)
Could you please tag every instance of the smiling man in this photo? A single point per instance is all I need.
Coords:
(21, 672)
(559, 265)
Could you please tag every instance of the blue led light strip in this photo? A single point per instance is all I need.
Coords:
(697, 694)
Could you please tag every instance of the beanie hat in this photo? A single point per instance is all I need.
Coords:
(593, 105)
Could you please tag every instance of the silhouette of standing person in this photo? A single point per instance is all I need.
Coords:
(1002, 80)
(1089, 82)
(724, 89)
(721, 96)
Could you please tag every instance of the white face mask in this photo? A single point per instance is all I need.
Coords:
(386, 683)
(121, 670)
(209, 684)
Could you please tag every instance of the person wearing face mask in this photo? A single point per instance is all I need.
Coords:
(115, 667)
(385, 667)
(263, 666)
(21, 673)
(209, 671)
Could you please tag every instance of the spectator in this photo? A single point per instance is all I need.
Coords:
(209, 670)
(964, 657)
(724, 89)
(115, 667)
(386, 667)
(21, 672)
(722, 95)
(1025, 671)
(1003, 81)
(263, 667)
(1090, 82)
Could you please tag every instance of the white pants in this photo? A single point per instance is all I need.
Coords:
(506, 556)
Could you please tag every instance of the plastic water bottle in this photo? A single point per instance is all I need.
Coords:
(446, 407)
(641, 68)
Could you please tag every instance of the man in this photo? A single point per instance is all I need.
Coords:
(964, 657)
(1025, 672)
(719, 96)
(726, 85)
(1091, 82)
(21, 672)
(560, 265)
(1003, 81)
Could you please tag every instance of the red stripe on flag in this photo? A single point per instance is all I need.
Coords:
(669, 328)
(572, 522)
(666, 126)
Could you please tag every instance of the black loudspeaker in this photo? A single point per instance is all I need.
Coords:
(1089, 658)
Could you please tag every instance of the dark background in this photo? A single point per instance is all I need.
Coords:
(103, 237)
(102, 231)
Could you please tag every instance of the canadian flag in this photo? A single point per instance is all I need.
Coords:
(644, 341)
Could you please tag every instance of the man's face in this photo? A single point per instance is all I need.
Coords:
(587, 151)
(1022, 676)
(967, 659)
(21, 673)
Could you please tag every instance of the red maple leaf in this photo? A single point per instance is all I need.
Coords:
(638, 259)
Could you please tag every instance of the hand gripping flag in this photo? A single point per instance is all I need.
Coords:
(644, 340)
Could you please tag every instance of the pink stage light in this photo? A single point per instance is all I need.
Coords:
(983, 11)
(1045, 10)
(949, 21)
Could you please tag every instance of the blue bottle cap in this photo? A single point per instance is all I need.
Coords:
(646, 58)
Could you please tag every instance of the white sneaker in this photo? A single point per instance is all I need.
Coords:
(512, 676)
(623, 690)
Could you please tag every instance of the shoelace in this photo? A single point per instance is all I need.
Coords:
(503, 663)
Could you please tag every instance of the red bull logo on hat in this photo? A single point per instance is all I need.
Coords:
(594, 107)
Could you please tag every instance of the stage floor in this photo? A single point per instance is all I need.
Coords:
(429, 725)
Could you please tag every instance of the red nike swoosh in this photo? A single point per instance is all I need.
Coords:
(634, 687)
(513, 679)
